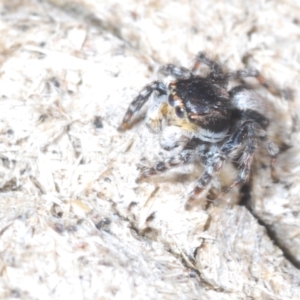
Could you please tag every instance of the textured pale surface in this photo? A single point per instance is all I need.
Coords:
(74, 224)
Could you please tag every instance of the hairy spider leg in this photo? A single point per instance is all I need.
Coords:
(273, 151)
(240, 74)
(245, 134)
(140, 100)
(181, 158)
(213, 164)
(248, 133)
(174, 161)
(177, 72)
(216, 70)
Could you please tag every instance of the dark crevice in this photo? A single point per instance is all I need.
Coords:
(246, 202)
(273, 237)
(188, 265)
(145, 235)
(245, 192)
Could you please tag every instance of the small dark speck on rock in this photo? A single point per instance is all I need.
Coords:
(43, 118)
(103, 224)
(55, 82)
(72, 228)
(131, 205)
(193, 274)
(15, 293)
(98, 122)
(150, 217)
(59, 228)
(10, 132)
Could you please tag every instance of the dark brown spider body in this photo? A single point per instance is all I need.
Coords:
(198, 116)
(206, 104)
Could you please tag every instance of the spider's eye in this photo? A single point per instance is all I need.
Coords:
(179, 112)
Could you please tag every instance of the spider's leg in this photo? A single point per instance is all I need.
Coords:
(177, 72)
(245, 165)
(141, 99)
(213, 161)
(273, 151)
(240, 74)
(181, 158)
(216, 69)
(265, 84)
(248, 133)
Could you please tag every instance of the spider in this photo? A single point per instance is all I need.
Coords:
(204, 121)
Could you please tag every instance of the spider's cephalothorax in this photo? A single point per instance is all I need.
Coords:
(198, 116)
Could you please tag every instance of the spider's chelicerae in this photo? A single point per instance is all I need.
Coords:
(203, 120)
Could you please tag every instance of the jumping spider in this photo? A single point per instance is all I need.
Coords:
(204, 121)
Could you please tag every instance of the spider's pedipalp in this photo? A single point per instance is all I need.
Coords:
(140, 100)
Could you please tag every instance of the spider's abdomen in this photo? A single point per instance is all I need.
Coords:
(247, 104)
